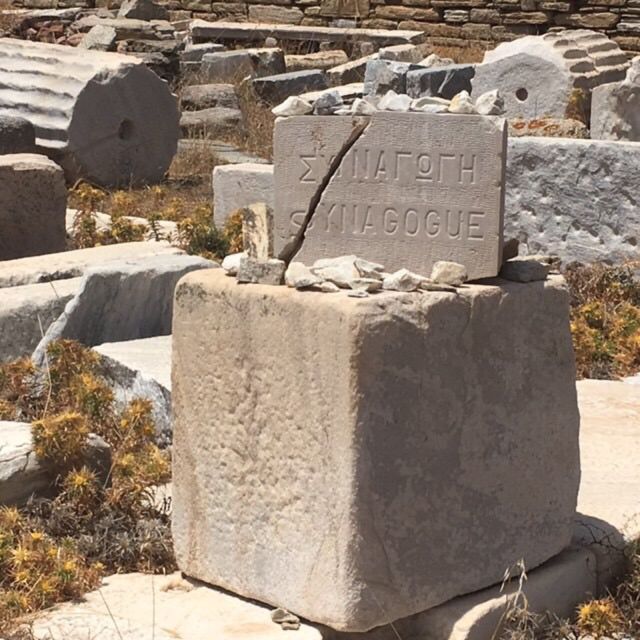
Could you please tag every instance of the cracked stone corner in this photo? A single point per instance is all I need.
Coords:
(292, 248)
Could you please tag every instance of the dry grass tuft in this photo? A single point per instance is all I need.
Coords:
(8, 21)
(605, 320)
(615, 616)
(57, 549)
(259, 123)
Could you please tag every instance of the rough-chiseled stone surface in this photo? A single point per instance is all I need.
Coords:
(574, 198)
(99, 38)
(443, 82)
(211, 123)
(274, 89)
(233, 66)
(33, 205)
(379, 503)
(97, 114)
(411, 189)
(239, 185)
(17, 135)
(206, 96)
(615, 108)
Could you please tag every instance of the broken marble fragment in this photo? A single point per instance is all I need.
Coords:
(341, 271)
(257, 231)
(231, 263)
(327, 103)
(362, 107)
(490, 103)
(293, 106)
(402, 280)
(434, 60)
(260, 271)
(430, 104)
(366, 284)
(452, 273)
(462, 103)
(392, 101)
(329, 287)
(369, 269)
(298, 275)
(427, 285)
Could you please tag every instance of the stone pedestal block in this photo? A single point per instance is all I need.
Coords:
(33, 204)
(358, 460)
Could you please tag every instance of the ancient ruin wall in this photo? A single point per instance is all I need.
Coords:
(446, 22)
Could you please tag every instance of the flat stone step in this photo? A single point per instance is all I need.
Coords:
(201, 31)
(72, 264)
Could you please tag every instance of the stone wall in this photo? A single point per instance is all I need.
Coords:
(446, 22)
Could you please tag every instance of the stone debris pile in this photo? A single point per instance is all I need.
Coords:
(359, 277)
(331, 102)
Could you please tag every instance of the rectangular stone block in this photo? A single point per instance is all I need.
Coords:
(411, 189)
(33, 204)
(591, 218)
(274, 89)
(442, 82)
(239, 185)
(356, 461)
(345, 8)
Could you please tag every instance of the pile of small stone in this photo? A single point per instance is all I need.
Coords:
(357, 276)
(331, 102)
(361, 277)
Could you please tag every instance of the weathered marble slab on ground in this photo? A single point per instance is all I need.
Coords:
(402, 189)
(375, 457)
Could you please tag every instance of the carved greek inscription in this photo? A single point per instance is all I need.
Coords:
(392, 166)
(411, 190)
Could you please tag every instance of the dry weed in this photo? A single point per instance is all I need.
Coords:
(56, 549)
(259, 123)
(605, 320)
(8, 20)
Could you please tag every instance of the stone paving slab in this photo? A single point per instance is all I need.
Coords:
(72, 264)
